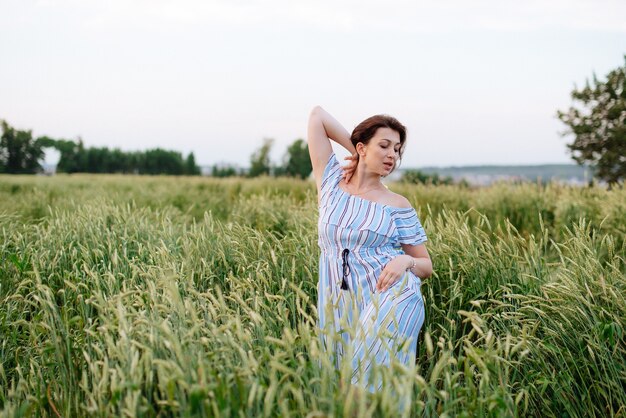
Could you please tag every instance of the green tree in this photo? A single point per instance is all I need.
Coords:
(419, 177)
(19, 152)
(190, 165)
(160, 161)
(599, 126)
(223, 170)
(297, 162)
(46, 142)
(260, 159)
(72, 159)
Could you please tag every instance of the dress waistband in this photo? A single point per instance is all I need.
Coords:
(337, 252)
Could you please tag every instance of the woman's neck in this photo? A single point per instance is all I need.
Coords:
(363, 181)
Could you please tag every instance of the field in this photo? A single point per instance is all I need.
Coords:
(164, 296)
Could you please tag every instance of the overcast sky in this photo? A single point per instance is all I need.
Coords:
(475, 82)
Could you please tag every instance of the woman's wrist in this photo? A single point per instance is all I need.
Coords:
(410, 263)
(422, 267)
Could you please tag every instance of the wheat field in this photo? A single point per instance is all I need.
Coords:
(175, 296)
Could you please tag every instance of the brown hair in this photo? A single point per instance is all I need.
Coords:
(366, 130)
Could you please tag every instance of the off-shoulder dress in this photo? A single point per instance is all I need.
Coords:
(357, 238)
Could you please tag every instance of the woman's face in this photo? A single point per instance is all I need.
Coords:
(381, 152)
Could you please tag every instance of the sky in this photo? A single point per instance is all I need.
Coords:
(475, 82)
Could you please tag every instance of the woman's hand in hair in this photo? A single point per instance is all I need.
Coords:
(350, 168)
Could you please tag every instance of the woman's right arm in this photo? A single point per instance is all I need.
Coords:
(323, 126)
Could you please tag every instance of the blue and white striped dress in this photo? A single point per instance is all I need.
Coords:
(357, 238)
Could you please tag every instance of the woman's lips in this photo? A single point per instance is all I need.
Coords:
(388, 165)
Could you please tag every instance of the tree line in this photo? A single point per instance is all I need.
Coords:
(20, 153)
(295, 163)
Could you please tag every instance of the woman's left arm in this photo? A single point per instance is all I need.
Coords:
(415, 257)
(423, 265)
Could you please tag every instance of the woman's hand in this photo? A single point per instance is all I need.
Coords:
(350, 168)
(393, 271)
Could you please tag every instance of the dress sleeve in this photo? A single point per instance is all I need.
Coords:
(330, 178)
(409, 229)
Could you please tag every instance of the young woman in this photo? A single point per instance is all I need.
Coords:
(373, 255)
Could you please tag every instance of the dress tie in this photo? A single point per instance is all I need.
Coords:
(346, 269)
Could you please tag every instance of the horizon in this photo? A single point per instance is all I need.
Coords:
(52, 156)
(572, 164)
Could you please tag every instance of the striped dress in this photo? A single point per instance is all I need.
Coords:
(357, 238)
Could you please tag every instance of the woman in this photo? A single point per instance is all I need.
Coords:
(372, 247)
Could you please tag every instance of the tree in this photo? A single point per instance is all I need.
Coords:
(72, 156)
(600, 126)
(160, 161)
(19, 153)
(260, 159)
(419, 177)
(223, 170)
(297, 162)
(191, 168)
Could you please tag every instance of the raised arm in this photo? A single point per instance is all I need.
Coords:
(322, 127)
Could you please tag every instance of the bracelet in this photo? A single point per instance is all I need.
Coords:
(412, 264)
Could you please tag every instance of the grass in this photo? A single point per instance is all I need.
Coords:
(159, 296)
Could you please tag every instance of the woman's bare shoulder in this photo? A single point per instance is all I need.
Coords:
(396, 200)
